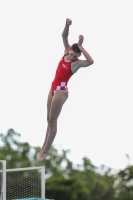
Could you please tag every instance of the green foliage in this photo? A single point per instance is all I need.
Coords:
(64, 181)
(16, 153)
(124, 184)
(62, 188)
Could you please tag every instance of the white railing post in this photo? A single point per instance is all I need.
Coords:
(43, 182)
(3, 177)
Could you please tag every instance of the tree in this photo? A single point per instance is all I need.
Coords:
(64, 180)
(19, 154)
(66, 188)
(16, 153)
(124, 184)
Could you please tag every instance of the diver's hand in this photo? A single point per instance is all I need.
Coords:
(68, 21)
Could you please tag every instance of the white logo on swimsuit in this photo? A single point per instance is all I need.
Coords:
(64, 66)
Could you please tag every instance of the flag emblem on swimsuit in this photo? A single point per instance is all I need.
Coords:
(62, 86)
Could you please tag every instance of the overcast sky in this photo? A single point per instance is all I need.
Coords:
(97, 119)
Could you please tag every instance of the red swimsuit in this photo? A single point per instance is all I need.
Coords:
(63, 74)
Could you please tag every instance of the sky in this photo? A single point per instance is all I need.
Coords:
(97, 119)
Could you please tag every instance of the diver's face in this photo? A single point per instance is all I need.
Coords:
(73, 55)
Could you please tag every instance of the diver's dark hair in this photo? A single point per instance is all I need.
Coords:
(75, 48)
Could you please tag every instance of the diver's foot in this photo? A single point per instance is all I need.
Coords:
(42, 156)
